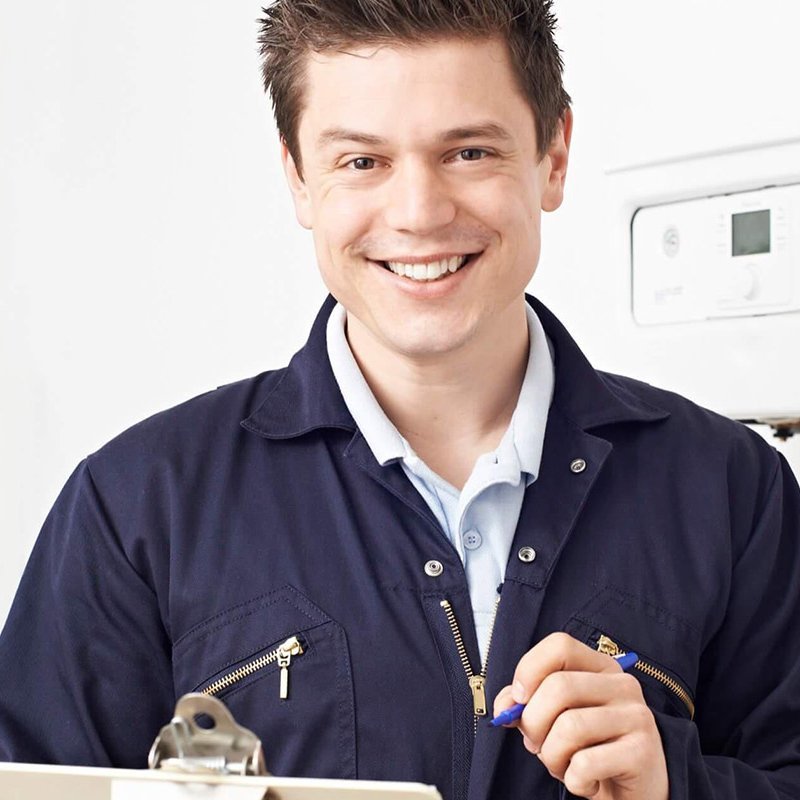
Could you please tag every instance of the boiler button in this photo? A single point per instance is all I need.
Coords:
(741, 285)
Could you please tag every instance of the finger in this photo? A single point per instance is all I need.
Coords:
(556, 652)
(580, 728)
(617, 761)
(562, 691)
(502, 701)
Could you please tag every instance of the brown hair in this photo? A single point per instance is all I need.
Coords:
(291, 29)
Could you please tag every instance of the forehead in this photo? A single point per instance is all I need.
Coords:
(402, 90)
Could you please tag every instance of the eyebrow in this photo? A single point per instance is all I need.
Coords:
(334, 135)
(484, 130)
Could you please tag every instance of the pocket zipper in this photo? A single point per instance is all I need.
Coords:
(477, 683)
(611, 648)
(283, 654)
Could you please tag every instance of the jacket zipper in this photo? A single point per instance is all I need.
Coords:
(611, 648)
(477, 683)
(283, 654)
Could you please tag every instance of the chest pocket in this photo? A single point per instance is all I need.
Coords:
(614, 621)
(282, 667)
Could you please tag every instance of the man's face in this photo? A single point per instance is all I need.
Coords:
(419, 161)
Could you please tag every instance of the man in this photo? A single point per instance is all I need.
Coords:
(438, 503)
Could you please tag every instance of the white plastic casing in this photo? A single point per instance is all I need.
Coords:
(721, 329)
(685, 265)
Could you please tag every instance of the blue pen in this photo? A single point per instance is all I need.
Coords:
(625, 660)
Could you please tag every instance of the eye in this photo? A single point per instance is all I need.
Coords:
(361, 164)
(472, 154)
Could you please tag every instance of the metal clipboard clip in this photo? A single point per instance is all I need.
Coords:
(222, 747)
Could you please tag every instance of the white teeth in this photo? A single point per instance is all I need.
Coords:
(427, 272)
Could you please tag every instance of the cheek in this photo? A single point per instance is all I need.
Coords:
(336, 279)
(341, 223)
(507, 205)
(522, 217)
(513, 211)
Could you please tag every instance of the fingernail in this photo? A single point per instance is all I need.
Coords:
(518, 693)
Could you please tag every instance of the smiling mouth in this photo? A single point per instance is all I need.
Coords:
(433, 271)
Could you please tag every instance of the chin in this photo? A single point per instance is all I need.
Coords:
(427, 346)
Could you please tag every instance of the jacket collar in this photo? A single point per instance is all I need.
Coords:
(305, 396)
(586, 396)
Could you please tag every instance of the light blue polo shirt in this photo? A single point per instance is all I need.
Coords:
(481, 519)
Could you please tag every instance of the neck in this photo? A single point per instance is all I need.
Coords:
(450, 407)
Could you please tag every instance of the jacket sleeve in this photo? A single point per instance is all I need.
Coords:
(748, 693)
(85, 675)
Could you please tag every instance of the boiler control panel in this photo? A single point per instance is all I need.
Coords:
(731, 255)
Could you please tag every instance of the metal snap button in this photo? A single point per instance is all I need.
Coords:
(433, 568)
(472, 539)
(578, 465)
(526, 554)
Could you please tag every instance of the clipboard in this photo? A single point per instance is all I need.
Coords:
(44, 781)
(220, 760)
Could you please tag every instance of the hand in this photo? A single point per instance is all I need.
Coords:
(587, 721)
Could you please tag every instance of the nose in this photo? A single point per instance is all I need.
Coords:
(418, 199)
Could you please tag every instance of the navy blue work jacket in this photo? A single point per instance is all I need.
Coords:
(206, 536)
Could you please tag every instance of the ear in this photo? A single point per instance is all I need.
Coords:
(298, 188)
(556, 163)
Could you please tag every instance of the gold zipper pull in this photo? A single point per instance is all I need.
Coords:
(608, 646)
(611, 648)
(291, 647)
(477, 684)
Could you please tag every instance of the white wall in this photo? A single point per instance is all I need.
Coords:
(147, 247)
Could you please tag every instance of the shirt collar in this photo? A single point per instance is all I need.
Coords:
(381, 435)
(305, 397)
(522, 442)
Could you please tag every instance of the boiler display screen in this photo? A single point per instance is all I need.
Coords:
(751, 233)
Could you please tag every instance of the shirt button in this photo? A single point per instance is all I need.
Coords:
(433, 568)
(472, 539)
(526, 554)
(578, 465)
